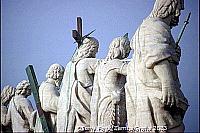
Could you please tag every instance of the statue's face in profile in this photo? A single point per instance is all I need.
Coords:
(28, 91)
(175, 16)
(93, 50)
(59, 79)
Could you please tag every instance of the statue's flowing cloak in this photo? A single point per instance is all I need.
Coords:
(64, 100)
(74, 101)
(20, 114)
(94, 100)
(151, 43)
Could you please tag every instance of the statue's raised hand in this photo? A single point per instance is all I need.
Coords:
(178, 52)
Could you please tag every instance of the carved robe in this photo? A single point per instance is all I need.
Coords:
(20, 114)
(109, 80)
(74, 100)
(48, 93)
(5, 127)
(152, 43)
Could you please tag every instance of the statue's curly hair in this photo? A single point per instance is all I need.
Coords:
(6, 94)
(163, 8)
(86, 49)
(53, 71)
(119, 48)
(22, 87)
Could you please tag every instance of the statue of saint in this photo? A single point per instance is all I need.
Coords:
(153, 96)
(6, 94)
(20, 111)
(49, 94)
(108, 105)
(76, 90)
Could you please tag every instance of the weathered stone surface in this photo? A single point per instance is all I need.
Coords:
(74, 100)
(153, 94)
(94, 92)
(6, 95)
(108, 96)
(48, 93)
(20, 112)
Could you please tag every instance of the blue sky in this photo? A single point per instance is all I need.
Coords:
(38, 32)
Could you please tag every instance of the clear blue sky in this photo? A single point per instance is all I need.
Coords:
(38, 32)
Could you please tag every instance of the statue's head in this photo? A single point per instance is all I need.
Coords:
(169, 10)
(6, 94)
(88, 49)
(23, 88)
(56, 72)
(119, 48)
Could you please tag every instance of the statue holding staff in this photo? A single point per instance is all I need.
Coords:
(153, 95)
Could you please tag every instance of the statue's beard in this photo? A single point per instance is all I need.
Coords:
(58, 83)
(92, 55)
(174, 21)
(28, 94)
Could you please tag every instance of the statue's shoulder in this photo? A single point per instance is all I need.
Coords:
(112, 64)
(156, 24)
(22, 101)
(117, 62)
(46, 85)
(87, 61)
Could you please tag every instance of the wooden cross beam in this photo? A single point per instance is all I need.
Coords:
(77, 34)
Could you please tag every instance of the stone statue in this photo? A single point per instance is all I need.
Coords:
(108, 105)
(76, 90)
(20, 112)
(49, 94)
(6, 94)
(153, 94)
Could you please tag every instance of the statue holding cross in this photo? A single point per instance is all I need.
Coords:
(74, 101)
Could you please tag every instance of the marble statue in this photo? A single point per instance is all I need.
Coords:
(20, 111)
(108, 107)
(49, 94)
(153, 95)
(76, 90)
(6, 94)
